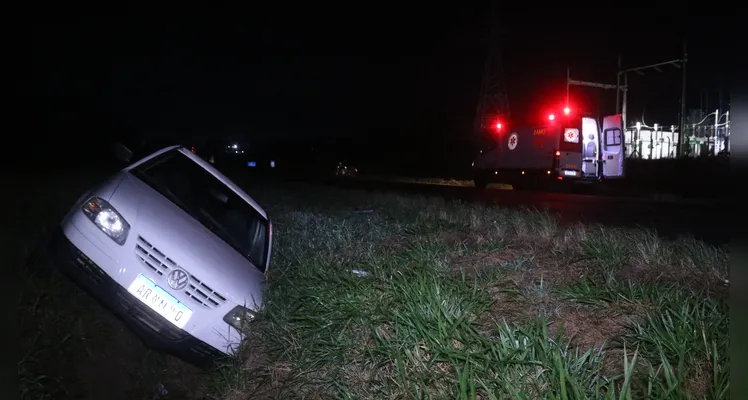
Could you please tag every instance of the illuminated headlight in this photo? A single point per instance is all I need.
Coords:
(238, 317)
(103, 215)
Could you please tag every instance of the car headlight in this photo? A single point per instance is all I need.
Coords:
(238, 317)
(103, 215)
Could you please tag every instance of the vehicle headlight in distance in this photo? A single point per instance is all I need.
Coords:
(103, 215)
(238, 317)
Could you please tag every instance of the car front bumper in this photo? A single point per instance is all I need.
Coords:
(153, 329)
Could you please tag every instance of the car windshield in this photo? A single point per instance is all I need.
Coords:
(209, 201)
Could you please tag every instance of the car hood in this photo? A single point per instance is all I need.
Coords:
(188, 243)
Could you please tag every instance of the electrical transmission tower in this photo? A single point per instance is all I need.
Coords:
(493, 104)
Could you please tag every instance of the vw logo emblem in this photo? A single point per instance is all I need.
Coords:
(178, 279)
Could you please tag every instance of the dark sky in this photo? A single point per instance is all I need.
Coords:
(392, 78)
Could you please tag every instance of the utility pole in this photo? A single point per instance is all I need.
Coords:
(625, 89)
(682, 127)
(493, 102)
(567, 85)
(618, 88)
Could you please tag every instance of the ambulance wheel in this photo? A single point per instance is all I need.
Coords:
(480, 182)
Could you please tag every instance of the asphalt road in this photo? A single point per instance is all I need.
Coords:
(705, 220)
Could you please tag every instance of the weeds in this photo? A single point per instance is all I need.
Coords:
(468, 301)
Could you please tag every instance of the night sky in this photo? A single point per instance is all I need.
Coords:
(373, 80)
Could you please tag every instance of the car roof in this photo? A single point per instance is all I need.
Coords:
(206, 166)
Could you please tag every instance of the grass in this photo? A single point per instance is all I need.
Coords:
(468, 301)
(447, 300)
(432, 181)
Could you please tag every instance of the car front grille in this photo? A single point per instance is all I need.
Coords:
(152, 258)
(155, 260)
(89, 276)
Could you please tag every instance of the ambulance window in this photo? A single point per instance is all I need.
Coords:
(612, 137)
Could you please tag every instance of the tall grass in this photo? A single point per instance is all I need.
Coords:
(431, 315)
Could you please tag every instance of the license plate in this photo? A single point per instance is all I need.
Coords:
(570, 173)
(159, 301)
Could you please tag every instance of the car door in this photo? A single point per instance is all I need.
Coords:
(590, 140)
(612, 146)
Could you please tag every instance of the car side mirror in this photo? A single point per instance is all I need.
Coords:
(122, 153)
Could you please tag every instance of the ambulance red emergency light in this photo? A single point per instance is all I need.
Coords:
(564, 147)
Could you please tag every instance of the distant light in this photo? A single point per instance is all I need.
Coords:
(236, 146)
(551, 117)
(523, 172)
(558, 153)
(498, 126)
(567, 110)
(251, 164)
(272, 164)
(548, 172)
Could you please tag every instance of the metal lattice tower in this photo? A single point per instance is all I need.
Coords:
(493, 103)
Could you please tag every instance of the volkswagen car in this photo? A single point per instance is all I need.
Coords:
(175, 249)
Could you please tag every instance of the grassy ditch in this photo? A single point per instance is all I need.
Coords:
(384, 296)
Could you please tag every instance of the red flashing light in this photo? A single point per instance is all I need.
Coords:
(192, 149)
(498, 126)
(567, 110)
(551, 117)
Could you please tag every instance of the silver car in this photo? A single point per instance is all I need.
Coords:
(175, 249)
